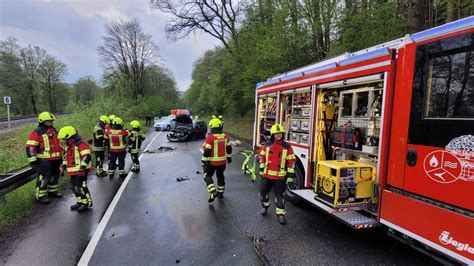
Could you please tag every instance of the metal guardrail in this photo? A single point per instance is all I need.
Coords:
(5, 119)
(12, 181)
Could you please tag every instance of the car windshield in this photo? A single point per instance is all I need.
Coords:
(166, 119)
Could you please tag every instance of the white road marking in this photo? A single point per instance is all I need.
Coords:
(87, 255)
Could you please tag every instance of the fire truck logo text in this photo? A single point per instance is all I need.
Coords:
(446, 239)
(442, 167)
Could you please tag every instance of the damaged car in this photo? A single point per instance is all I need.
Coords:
(187, 129)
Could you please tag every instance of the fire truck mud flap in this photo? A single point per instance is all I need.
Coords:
(356, 219)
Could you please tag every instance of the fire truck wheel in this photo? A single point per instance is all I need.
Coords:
(298, 184)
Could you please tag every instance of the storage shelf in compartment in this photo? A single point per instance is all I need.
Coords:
(301, 117)
(270, 117)
(301, 106)
(305, 131)
(357, 152)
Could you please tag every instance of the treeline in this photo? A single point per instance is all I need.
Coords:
(261, 38)
(35, 79)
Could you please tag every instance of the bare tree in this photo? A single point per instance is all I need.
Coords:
(218, 18)
(129, 50)
(31, 58)
(51, 71)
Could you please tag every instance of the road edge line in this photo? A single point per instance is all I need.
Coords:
(89, 251)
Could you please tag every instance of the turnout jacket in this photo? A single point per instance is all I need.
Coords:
(117, 139)
(277, 160)
(77, 156)
(99, 138)
(43, 143)
(135, 139)
(216, 149)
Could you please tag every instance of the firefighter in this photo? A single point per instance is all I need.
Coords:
(117, 138)
(216, 154)
(135, 140)
(277, 162)
(43, 150)
(111, 120)
(100, 145)
(77, 162)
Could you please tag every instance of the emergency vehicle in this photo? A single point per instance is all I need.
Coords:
(384, 136)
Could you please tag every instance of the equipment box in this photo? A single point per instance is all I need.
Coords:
(294, 137)
(305, 111)
(347, 137)
(304, 124)
(295, 124)
(304, 139)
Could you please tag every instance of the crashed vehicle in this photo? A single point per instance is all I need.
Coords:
(187, 129)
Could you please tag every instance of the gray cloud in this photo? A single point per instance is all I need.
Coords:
(72, 30)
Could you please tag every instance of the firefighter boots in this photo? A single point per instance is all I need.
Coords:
(281, 219)
(43, 200)
(212, 196)
(82, 208)
(220, 195)
(75, 206)
(263, 211)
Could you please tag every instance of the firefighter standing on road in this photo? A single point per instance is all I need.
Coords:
(117, 137)
(216, 154)
(277, 162)
(100, 144)
(77, 161)
(43, 151)
(135, 140)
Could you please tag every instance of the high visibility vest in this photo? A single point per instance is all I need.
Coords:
(43, 143)
(117, 139)
(277, 159)
(75, 155)
(218, 145)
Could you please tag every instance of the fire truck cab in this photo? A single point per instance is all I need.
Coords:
(385, 136)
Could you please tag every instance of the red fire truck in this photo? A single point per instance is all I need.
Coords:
(385, 136)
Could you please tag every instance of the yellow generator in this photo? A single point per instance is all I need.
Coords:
(345, 183)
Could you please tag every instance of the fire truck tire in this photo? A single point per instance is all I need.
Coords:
(298, 184)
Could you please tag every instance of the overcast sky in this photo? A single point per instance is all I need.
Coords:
(71, 30)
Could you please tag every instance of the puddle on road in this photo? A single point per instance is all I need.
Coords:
(117, 231)
(161, 149)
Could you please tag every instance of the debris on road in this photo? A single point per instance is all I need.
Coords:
(179, 179)
(198, 172)
(236, 143)
(161, 149)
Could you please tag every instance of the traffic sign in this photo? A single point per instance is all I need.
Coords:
(7, 100)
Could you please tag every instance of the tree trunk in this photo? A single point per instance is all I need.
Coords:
(416, 15)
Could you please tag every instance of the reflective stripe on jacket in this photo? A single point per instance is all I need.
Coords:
(216, 149)
(77, 155)
(135, 140)
(277, 159)
(99, 138)
(117, 139)
(43, 143)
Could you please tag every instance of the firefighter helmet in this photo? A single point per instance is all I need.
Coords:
(117, 121)
(105, 119)
(46, 116)
(135, 124)
(66, 132)
(215, 123)
(277, 128)
(111, 118)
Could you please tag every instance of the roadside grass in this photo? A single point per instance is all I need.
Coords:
(19, 203)
(241, 127)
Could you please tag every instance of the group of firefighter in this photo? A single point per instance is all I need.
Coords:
(51, 153)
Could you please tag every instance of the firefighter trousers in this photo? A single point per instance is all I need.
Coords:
(80, 190)
(114, 156)
(99, 162)
(135, 161)
(209, 172)
(279, 187)
(48, 177)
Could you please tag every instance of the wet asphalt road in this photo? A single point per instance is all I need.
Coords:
(159, 221)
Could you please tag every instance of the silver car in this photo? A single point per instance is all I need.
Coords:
(165, 123)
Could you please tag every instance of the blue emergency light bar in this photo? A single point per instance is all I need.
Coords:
(458, 25)
(369, 55)
(295, 75)
(320, 68)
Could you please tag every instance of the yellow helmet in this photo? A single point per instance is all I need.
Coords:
(111, 118)
(220, 117)
(215, 123)
(213, 116)
(66, 132)
(135, 124)
(105, 119)
(46, 116)
(277, 128)
(117, 121)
